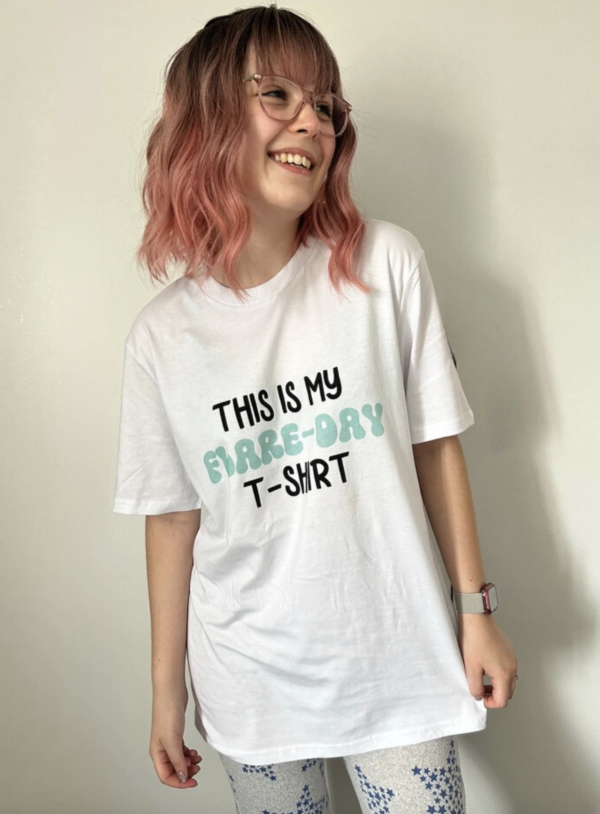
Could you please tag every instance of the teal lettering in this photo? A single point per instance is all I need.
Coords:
(245, 454)
(289, 433)
(374, 418)
(269, 448)
(326, 430)
(350, 419)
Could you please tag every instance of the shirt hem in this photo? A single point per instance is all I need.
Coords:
(121, 506)
(443, 429)
(368, 744)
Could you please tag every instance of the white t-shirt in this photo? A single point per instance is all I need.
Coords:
(320, 620)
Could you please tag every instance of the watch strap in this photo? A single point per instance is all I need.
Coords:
(474, 602)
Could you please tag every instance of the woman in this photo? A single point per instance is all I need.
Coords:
(296, 385)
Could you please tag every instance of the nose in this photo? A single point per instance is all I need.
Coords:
(307, 117)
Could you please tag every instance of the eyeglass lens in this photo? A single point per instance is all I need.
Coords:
(281, 99)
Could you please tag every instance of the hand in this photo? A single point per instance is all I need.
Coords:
(486, 651)
(168, 751)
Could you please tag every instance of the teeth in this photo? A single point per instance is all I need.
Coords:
(290, 158)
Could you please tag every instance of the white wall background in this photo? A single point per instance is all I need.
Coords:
(479, 131)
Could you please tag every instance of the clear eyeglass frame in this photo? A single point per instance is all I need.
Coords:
(258, 79)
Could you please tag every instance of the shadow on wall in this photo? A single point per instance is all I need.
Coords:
(527, 759)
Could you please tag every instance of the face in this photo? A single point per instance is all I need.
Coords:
(271, 189)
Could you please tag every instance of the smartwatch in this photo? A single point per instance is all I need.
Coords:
(483, 601)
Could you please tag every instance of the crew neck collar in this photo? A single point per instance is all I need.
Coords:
(265, 291)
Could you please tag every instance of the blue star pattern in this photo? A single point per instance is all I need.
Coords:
(305, 804)
(378, 797)
(445, 785)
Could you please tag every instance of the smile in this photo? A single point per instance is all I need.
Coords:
(292, 167)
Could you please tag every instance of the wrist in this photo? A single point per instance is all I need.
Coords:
(468, 618)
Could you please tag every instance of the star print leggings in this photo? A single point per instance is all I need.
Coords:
(418, 779)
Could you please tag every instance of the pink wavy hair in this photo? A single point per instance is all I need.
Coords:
(191, 191)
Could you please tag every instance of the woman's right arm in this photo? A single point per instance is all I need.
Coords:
(169, 557)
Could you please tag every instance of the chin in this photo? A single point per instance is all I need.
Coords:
(296, 206)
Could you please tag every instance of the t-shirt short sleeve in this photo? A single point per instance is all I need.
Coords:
(151, 478)
(436, 403)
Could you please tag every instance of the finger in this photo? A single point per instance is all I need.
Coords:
(193, 761)
(168, 773)
(498, 695)
(192, 755)
(475, 681)
(169, 777)
(190, 783)
(174, 781)
(179, 761)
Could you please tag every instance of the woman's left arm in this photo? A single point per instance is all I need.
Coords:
(446, 492)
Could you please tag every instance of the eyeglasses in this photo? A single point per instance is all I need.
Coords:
(282, 99)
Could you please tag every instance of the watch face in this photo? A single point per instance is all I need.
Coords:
(492, 595)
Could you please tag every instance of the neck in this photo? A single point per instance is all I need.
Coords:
(266, 253)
